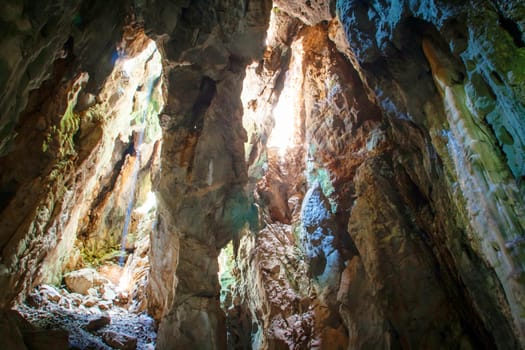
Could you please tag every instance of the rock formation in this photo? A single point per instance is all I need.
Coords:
(362, 161)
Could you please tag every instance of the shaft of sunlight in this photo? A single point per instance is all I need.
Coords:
(287, 110)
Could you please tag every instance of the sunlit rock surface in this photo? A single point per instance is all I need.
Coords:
(425, 192)
(71, 161)
(44, 41)
(433, 69)
(202, 202)
(363, 159)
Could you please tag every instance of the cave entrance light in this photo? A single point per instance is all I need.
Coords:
(135, 91)
(286, 113)
(226, 260)
(276, 123)
(135, 65)
(148, 65)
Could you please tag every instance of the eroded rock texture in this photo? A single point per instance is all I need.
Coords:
(411, 196)
(202, 202)
(53, 63)
(455, 114)
(365, 158)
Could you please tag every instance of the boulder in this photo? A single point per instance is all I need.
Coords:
(119, 340)
(108, 293)
(81, 281)
(76, 298)
(50, 293)
(98, 322)
(105, 305)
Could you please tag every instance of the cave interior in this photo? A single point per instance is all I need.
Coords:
(321, 174)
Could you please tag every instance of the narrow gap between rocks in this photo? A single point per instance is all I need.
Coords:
(101, 302)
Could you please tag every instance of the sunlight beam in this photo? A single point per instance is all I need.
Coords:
(286, 113)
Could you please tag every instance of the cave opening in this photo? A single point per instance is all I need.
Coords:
(101, 270)
(261, 175)
(279, 284)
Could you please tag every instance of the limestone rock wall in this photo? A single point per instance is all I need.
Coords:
(73, 132)
(411, 200)
(202, 202)
(37, 35)
(393, 218)
(469, 120)
(111, 223)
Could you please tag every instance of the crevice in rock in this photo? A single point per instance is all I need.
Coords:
(513, 29)
(326, 175)
(93, 149)
(7, 193)
(120, 152)
(207, 91)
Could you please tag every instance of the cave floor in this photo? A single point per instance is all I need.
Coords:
(87, 328)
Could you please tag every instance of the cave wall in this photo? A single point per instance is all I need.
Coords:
(54, 63)
(404, 227)
(68, 169)
(468, 175)
(64, 33)
(428, 190)
(202, 202)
